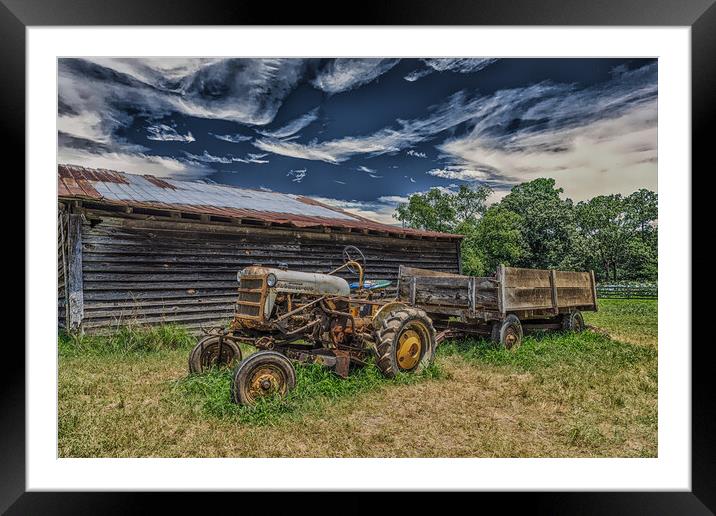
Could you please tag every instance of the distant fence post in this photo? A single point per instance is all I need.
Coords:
(628, 291)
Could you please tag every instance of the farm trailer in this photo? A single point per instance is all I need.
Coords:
(501, 306)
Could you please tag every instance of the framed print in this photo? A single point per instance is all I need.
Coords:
(418, 248)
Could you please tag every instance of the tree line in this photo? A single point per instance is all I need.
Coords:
(533, 226)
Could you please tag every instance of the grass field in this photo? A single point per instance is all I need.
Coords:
(592, 394)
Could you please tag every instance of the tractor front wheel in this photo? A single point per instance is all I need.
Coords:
(406, 341)
(209, 352)
(261, 375)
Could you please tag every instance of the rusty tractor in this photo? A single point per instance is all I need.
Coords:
(292, 316)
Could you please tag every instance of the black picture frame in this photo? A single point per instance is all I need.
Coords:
(700, 15)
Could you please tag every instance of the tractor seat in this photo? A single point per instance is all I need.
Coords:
(370, 284)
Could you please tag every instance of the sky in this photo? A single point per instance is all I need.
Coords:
(364, 134)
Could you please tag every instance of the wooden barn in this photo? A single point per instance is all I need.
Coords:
(140, 248)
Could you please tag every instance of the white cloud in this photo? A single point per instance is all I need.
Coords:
(293, 126)
(208, 158)
(457, 109)
(609, 156)
(417, 74)
(460, 65)
(166, 133)
(453, 172)
(345, 74)
(380, 210)
(596, 140)
(232, 138)
(366, 170)
(415, 154)
(297, 175)
(248, 91)
(205, 157)
(135, 163)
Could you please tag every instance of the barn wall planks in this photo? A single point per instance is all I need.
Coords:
(156, 271)
(61, 267)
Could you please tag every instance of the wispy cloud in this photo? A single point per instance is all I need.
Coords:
(206, 157)
(346, 74)
(297, 175)
(209, 158)
(416, 154)
(293, 126)
(135, 163)
(595, 140)
(232, 138)
(460, 65)
(366, 169)
(380, 210)
(94, 93)
(166, 133)
(457, 109)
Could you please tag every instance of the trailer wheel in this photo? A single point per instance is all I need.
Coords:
(406, 341)
(573, 321)
(263, 374)
(205, 354)
(507, 333)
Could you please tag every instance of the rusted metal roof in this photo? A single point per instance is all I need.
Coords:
(150, 192)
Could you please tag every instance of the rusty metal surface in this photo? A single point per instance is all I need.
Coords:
(148, 192)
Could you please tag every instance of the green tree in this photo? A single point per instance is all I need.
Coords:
(432, 211)
(602, 222)
(496, 238)
(439, 210)
(470, 203)
(641, 209)
(620, 235)
(641, 212)
(547, 223)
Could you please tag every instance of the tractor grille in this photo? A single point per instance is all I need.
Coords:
(251, 297)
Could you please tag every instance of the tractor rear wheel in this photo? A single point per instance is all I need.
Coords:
(406, 341)
(206, 355)
(573, 321)
(508, 332)
(261, 375)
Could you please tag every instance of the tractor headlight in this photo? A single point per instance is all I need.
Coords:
(271, 280)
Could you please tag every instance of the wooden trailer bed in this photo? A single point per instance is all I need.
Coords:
(539, 298)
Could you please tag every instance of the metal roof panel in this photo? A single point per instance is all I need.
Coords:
(146, 191)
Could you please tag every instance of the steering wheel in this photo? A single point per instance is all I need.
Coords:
(352, 254)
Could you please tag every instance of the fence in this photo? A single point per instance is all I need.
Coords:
(637, 291)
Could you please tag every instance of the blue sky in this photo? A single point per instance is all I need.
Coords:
(363, 134)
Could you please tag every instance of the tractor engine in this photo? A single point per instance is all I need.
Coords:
(266, 294)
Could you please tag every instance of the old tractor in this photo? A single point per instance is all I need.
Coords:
(292, 316)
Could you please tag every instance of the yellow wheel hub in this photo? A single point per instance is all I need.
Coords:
(409, 347)
(264, 382)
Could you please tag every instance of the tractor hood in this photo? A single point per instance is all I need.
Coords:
(296, 282)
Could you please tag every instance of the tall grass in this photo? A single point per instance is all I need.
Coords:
(587, 351)
(125, 339)
(209, 393)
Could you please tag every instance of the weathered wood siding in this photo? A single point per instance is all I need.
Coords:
(61, 266)
(183, 272)
(453, 294)
(534, 289)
